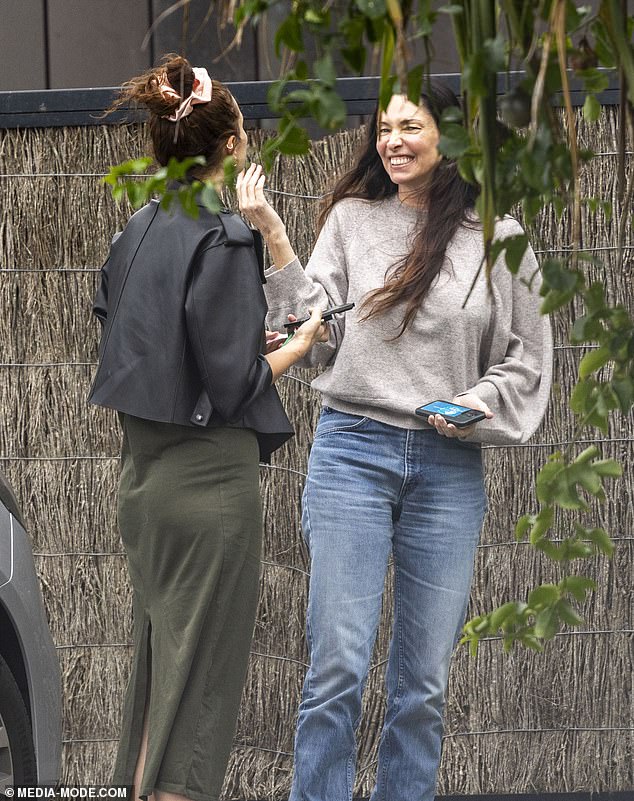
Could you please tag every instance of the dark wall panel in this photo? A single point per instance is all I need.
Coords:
(93, 43)
(22, 45)
(203, 41)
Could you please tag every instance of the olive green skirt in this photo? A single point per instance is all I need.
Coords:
(191, 523)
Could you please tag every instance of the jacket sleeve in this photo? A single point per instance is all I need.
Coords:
(225, 311)
(323, 284)
(100, 302)
(517, 380)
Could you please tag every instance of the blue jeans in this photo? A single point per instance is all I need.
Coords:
(374, 489)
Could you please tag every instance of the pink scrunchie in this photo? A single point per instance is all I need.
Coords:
(201, 93)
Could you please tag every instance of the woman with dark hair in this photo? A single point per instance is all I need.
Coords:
(401, 238)
(183, 360)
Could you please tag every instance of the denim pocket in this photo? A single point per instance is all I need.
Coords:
(333, 422)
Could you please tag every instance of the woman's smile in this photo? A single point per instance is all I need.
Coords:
(407, 143)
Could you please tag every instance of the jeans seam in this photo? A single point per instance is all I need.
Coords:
(405, 481)
(399, 683)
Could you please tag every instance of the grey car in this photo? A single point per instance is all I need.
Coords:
(30, 694)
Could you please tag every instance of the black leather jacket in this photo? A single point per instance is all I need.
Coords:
(182, 309)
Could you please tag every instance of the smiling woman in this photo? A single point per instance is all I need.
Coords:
(401, 238)
(407, 143)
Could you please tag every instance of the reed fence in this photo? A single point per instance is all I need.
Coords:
(560, 721)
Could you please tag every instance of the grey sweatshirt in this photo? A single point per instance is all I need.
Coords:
(499, 346)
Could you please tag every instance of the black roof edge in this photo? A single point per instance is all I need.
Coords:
(48, 108)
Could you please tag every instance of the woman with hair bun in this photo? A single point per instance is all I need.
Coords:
(183, 359)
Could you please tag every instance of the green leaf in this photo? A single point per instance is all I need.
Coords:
(325, 69)
(591, 109)
(268, 153)
(454, 141)
(585, 329)
(289, 33)
(549, 548)
(187, 199)
(556, 484)
(314, 17)
(474, 74)
(547, 623)
(355, 57)
(452, 8)
(293, 139)
(587, 455)
(599, 538)
(425, 19)
(624, 391)
(593, 361)
(530, 640)
(504, 614)
(544, 596)
(594, 80)
(210, 198)
(523, 525)
(547, 477)
(495, 54)
(572, 548)
(594, 298)
(328, 108)
(301, 70)
(515, 248)
(543, 521)
(568, 614)
(554, 299)
(578, 586)
(372, 8)
(582, 396)
(415, 84)
(557, 276)
(608, 468)
(387, 80)
(274, 95)
(603, 45)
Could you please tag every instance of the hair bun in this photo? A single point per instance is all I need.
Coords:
(179, 73)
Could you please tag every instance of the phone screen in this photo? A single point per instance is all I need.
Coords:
(445, 408)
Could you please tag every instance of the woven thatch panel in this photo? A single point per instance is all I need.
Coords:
(520, 722)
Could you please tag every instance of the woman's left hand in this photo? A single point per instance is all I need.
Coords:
(274, 340)
(450, 430)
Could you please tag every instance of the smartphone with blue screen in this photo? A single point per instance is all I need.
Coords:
(459, 416)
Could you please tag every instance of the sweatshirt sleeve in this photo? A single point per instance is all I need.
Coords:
(323, 284)
(225, 325)
(517, 380)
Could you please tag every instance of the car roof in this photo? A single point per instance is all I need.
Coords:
(9, 500)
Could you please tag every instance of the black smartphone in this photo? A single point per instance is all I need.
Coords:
(459, 416)
(326, 315)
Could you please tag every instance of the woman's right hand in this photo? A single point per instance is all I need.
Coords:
(311, 332)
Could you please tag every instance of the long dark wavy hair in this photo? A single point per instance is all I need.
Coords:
(448, 201)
